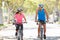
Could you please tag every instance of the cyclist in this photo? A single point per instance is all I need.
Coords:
(42, 14)
(18, 17)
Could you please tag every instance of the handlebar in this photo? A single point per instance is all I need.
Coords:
(37, 22)
(24, 22)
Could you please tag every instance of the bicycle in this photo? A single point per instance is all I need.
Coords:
(20, 33)
(41, 31)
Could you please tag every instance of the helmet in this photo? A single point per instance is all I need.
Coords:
(41, 5)
(19, 9)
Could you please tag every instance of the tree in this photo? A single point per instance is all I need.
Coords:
(29, 6)
(1, 15)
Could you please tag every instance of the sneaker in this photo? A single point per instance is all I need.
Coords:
(44, 36)
(16, 34)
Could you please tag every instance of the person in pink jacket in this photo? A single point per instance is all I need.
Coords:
(18, 18)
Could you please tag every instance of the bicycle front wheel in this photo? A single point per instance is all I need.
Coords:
(41, 33)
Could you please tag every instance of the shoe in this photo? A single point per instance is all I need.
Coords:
(44, 36)
(16, 34)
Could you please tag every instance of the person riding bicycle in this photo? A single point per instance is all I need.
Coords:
(19, 17)
(42, 14)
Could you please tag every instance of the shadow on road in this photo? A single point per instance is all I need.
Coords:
(53, 38)
(48, 38)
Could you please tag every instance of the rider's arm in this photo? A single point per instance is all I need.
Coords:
(36, 15)
(46, 14)
(24, 18)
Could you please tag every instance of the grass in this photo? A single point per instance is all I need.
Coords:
(2, 26)
(58, 22)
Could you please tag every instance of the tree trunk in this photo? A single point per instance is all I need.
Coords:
(1, 16)
(57, 12)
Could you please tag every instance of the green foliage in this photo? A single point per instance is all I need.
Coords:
(1, 25)
(0, 3)
(30, 5)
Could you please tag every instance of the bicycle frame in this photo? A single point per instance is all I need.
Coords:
(41, 31)
(20, 34)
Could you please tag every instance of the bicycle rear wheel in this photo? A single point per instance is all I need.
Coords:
(19, 37)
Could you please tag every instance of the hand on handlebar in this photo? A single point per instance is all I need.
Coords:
(47, 21)
(36, 22)
(24, 22)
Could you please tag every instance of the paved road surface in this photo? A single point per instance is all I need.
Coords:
(30, 32)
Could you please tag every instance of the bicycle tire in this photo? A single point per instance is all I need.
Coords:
(41, 33)
(19, 37)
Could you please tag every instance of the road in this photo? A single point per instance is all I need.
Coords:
(30, 32)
